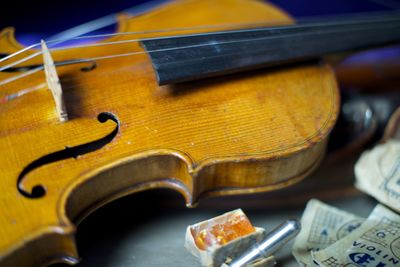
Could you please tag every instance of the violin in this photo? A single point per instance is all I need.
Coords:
(144, 109)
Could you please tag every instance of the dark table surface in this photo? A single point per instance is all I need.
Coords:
(148, 229)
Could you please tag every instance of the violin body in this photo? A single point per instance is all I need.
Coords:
(244, 133)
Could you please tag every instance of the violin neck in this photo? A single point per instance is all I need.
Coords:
(190, 57)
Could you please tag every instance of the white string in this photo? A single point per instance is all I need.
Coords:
(137, 40)
(265, 23)
(20, 76)
(127, 54)
(160, 50)
(18, 52)
(20, 61)
(114, 42)
(62, 40)
(58, 41)
(140, 52)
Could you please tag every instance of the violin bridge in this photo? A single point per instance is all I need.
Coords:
(53, 82)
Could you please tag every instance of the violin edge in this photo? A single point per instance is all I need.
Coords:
(62, 248)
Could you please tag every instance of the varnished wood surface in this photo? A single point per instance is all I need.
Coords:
(238, 134)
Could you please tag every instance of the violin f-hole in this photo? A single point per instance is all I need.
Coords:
(39, 190)
(89, 67)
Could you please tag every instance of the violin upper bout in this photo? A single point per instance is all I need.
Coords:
(8, 42)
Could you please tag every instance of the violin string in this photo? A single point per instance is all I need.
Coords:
(118, 55)
(22, 60)
(20, 76)
(18, 52)
(22, 92)
(133, 53)
(15, 95)
(265, 23)
(130, 40)
(52, 42)
(171, 37)
(58, 41)
(108, 20)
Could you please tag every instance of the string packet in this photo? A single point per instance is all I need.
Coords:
(322, 225)
(375, 243)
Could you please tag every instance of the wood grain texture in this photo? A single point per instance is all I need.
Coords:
(245, 133)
